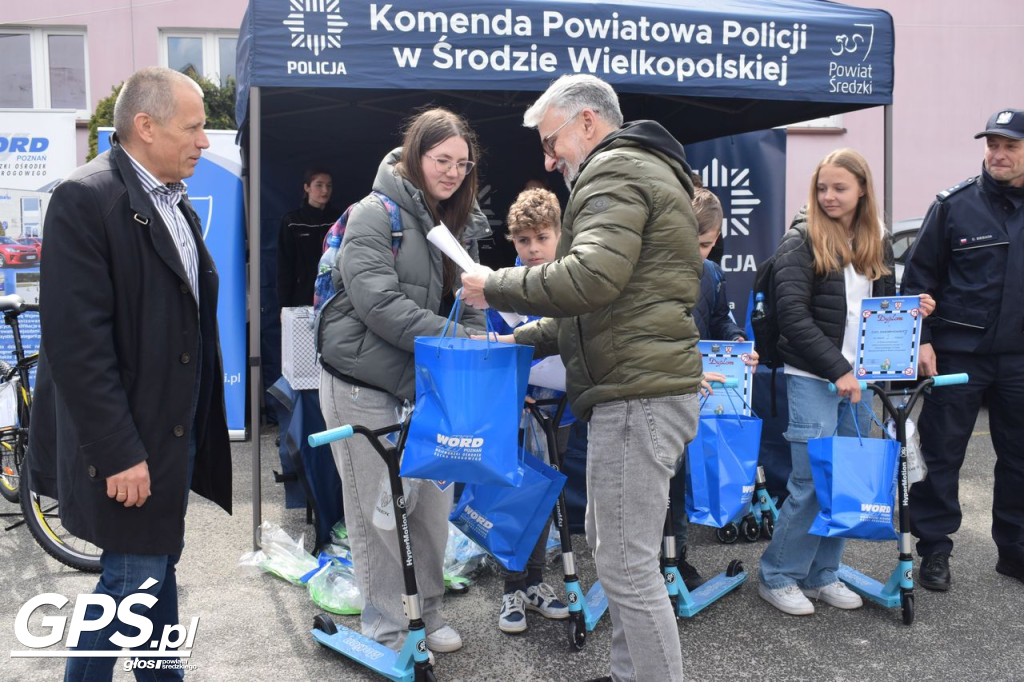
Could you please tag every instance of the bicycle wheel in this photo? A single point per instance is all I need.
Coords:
(44, 523)
(10, 468)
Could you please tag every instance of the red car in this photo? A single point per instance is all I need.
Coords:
(13, 253)
(34, 242)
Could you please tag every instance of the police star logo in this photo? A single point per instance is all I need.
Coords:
(741, 200)
(315, 24)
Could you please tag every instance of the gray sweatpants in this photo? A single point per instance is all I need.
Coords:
(378, 566)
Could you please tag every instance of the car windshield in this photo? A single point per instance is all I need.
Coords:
(7, 240)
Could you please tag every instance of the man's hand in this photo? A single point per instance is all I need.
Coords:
(926, 363)
(705, 384)
(131, 486)
(927, 304)
(473, 286)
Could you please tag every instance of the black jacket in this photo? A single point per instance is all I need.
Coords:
(969, 256)
(812, 309)
(124, 345)
(300, 243)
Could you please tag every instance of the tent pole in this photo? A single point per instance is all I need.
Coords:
(887, 151)
(255, 361)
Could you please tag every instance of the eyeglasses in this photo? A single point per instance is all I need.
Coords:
(445, 165)
(548, 142)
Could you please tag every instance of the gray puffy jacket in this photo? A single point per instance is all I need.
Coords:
(367, 331)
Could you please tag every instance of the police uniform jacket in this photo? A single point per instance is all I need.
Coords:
(969, 255)
(125, 347)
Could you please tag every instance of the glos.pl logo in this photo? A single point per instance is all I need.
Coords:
(53, 629)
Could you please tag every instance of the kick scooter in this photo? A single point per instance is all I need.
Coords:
(412, 662)
(899, 589)
(585, 610)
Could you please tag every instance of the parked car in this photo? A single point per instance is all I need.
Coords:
(13, 253)
(34, 242)
(904, 232)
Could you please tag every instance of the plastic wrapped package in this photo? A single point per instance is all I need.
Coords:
(333, 587)
(280, 555)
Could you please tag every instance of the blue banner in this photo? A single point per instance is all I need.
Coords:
(781, 50)
(748, 175)
(215, 191)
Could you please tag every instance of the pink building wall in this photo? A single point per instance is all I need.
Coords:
(121, 37)
(956, 63)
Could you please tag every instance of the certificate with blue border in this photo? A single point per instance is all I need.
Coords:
(728, 358)
(889, 338)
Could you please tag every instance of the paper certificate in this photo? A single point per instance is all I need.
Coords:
(889, 338)
(728, 358)
(442, 238)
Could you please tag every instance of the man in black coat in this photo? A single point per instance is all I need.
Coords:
(128, 303)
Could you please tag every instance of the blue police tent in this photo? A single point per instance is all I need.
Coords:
(326, 81)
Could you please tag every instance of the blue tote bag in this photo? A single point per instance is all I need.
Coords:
(721, 463)
(469, 398)
(855, 481)
(508, 521)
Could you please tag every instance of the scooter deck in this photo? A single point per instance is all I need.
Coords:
(394, 665)
(689, 603)
(868, 587)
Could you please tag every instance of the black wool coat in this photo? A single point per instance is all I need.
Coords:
(124, 348)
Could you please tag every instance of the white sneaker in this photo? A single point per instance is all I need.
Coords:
(444, 640)
(541, 597)
(836, 594)
(788, 599)
(512, 618)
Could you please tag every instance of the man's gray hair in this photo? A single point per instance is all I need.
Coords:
(575, 92)
(151, 91)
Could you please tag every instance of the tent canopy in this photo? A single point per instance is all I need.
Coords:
(328, 82)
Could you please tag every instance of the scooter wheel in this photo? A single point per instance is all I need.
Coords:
(734, 569)
(728, 533)
(426, 675)
(457, 587)
(749, 530)
(325, 624)
(577, 630)
(907, 601)
(768, 529)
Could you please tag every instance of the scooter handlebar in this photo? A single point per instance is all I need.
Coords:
(330, 435)
(950, 379)
(731, 382)
(863, 386)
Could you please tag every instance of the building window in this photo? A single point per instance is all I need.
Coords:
(43, 68)
(210, 53)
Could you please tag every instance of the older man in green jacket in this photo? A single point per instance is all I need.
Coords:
(617, 303)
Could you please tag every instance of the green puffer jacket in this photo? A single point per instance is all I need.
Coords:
(368, 330)
(620, 295)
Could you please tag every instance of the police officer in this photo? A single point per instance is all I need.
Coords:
(969, 256)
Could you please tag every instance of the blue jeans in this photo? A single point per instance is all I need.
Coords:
(122, 575)
(794, 555)
(634, 449)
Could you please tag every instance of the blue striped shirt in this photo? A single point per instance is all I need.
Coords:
(165, 198)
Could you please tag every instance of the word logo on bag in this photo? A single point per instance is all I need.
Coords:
(51, 629)
(459, 447)
(875, 512)
(478, 518)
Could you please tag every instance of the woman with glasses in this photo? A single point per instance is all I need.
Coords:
(393, 289)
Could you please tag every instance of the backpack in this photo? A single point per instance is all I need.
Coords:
(323, 288)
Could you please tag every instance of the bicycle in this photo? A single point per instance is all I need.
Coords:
(39, 511)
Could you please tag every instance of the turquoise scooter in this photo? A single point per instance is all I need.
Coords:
(585, 609)
(898, 591)
(412, 662)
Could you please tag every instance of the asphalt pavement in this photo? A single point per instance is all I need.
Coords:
(253, 626)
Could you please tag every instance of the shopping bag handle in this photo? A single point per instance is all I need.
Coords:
(453, 315)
